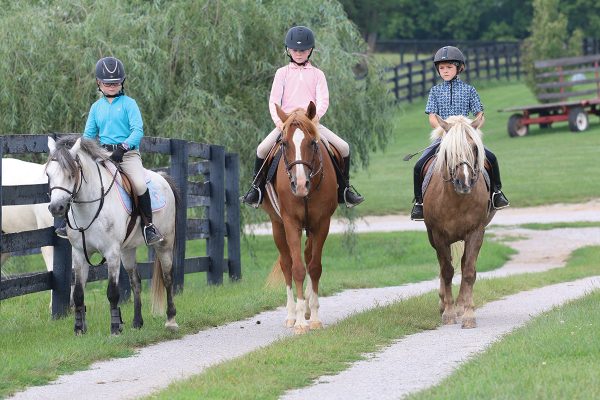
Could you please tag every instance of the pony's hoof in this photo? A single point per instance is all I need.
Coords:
(316, 325)
(289, 323)
(460, 310)
(469, 323)
(116, 329)
(448, 318)
(307, 316)
(301, 329)
(171, 325)
(137, 324)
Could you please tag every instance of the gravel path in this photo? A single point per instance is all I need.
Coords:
(154, 367)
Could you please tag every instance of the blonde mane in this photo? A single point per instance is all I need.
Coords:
(456, 145)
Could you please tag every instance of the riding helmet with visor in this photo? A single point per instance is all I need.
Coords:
(450, 54)
(110, 70)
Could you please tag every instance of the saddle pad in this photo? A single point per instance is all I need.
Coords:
(157, 199)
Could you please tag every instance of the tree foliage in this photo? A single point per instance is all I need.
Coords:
(549, 38)
(199, 70)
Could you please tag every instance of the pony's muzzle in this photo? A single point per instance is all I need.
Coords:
(57, 210)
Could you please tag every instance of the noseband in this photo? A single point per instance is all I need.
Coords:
(453, 170)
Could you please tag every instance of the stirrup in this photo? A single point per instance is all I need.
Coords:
(256, 204)
(61, 232)
(499, 193)
(357, 197)
(414, 215)
(155, 237)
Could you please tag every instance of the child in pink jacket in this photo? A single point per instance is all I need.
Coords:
(294, 86)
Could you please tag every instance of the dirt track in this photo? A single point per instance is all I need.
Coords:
(154, 367)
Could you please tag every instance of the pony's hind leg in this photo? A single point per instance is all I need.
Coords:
(81, 275)
(128, 260)
(163, 267)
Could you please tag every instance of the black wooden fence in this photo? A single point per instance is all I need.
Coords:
(206, 176)
(490, 60)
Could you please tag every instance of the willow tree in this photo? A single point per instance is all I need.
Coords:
(200, 70)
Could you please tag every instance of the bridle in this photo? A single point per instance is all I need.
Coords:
(73, 200)
(317, 154)
(474, 170)
(314, 170)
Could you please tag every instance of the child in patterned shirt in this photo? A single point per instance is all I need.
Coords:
(453, 97)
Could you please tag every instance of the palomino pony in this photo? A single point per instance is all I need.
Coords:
(456, 207)
(306, 192)
(84, 189)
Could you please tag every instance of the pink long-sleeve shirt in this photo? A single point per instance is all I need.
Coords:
(296, 86)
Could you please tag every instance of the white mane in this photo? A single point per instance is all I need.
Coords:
(456, 147)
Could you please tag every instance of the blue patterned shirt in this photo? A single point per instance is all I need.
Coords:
(116, 122)
(453, 97)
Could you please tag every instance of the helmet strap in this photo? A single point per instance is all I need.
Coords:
(111, 96)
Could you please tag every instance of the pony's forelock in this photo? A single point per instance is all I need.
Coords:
(455, 148)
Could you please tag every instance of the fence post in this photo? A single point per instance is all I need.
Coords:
(410, 82)
(61, 277)
(179, 172)
(216, 215)
(232, 192)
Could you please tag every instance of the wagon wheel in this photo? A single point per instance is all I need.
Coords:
(516, 127)
(578, 119)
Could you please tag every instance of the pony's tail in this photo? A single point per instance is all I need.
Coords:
(275, 278)
(158, 289)
(456, 251)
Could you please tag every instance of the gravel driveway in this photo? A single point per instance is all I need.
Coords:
(154, 367)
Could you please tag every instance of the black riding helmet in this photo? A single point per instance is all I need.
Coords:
(299, 38)
(452, 55)
(110, 70)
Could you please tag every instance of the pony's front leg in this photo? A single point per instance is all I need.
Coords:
(446, 275)
(315, 269)
(469, 274)
(128, 259)
(112, 293)
(285, 263)
(81, 274)
(293, 235)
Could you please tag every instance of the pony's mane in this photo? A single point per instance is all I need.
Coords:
(64, 158)
(456, 144)
(299, 119)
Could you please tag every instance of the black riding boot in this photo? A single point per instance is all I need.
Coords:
(499, 200)
(417, 211)
(254, 196)
(151, 234)
(345, 190)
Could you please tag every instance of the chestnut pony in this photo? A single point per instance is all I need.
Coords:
(306, 189)
(456, 208)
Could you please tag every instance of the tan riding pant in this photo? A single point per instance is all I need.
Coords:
(326, 134)
(132, 165)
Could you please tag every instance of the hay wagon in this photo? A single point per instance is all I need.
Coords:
(574, 85)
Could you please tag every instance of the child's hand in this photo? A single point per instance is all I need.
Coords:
(117, 154)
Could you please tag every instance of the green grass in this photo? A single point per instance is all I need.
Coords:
(558, 225)
(295, 362)
(547, 166)
(36, 349)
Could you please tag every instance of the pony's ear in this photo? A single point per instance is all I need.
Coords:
(311, 111)
(75, 148)
(51, 145)
(282, 115)
(443, 124)
(477, 122)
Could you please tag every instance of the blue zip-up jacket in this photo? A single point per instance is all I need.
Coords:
(116, 122)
